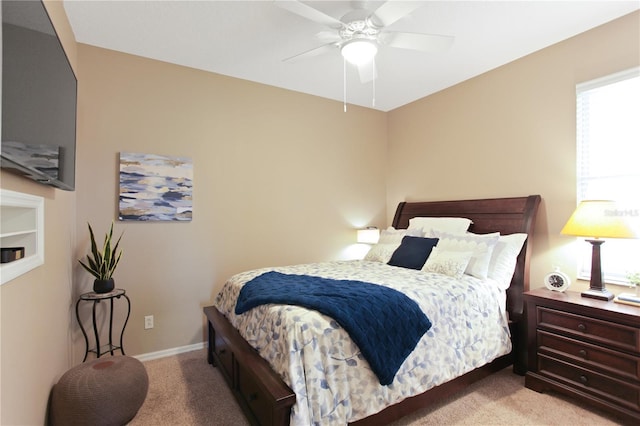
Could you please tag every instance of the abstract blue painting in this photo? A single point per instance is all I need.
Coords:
(155, 187)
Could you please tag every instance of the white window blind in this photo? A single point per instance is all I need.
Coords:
(608, 162)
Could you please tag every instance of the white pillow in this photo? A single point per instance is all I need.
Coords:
(481, 245)
(451, 263)
(381, 252)
(504, 258)
(389, 241)
(392, 235)
(453, 225)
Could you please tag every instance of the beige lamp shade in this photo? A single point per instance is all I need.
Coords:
(603, 219)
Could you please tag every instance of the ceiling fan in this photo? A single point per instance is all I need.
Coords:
(359, 33)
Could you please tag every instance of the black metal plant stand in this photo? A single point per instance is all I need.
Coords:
(96, 298)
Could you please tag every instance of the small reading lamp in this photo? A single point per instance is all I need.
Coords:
(368, 235)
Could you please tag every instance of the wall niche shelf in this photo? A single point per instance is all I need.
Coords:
(21, 225)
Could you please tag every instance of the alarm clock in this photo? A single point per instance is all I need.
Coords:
(557, 281)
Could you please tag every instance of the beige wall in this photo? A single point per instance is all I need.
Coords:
(36, 308)
(509, 132)
(279, 178)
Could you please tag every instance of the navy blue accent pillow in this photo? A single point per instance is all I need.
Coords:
(413, 252)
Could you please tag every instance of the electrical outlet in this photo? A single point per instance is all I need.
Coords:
(148, 322)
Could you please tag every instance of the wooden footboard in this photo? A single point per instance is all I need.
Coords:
(263, 396)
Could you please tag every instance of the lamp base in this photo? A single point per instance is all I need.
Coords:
(600, 294)
(596, 285)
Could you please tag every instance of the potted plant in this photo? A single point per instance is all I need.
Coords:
(634, 281)
(102, 263)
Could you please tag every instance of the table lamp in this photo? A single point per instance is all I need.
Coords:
(598, 219)
(369, 235)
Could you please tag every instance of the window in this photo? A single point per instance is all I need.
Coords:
(608, 162)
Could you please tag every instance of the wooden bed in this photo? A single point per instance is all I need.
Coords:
(267, 400)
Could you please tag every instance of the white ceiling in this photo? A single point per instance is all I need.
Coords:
(250, 39)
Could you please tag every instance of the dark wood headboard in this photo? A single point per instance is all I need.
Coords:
(504, 215)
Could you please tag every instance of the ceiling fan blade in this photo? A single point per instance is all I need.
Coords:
(309, 13)
(328, 36)
(367, 72)
(431, 43)
(391, 11)
(316, 51)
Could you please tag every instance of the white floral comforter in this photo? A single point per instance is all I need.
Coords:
(333, 383)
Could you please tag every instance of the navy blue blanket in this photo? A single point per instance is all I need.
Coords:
(384, 323)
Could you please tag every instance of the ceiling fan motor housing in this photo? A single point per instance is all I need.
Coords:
(359, 37)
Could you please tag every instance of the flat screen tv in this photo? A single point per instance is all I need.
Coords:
(39, 91)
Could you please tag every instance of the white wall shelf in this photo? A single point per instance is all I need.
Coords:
(21, 225)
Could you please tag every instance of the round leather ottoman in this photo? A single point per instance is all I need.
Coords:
(105, 391)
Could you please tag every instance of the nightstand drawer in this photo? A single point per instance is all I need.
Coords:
(601, 386)
(588, 355)
(591, 329)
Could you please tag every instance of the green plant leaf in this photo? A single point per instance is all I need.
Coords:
(90, 270)
(102, 264)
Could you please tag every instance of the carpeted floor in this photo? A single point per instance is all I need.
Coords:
(186, 390)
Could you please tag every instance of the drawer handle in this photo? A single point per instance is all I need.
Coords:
(582, 327)
(583, 353)
(253, 397)
(584, 379)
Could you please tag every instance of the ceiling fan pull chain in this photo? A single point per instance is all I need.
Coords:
(373, 71)
(344, 83)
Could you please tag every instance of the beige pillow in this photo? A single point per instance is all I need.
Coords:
(451, 263)
(481, 245)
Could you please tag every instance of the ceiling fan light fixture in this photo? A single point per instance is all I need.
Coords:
(359, 51)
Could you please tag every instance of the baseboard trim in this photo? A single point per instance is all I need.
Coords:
(169, 352)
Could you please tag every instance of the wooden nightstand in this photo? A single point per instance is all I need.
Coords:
(585, 348)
